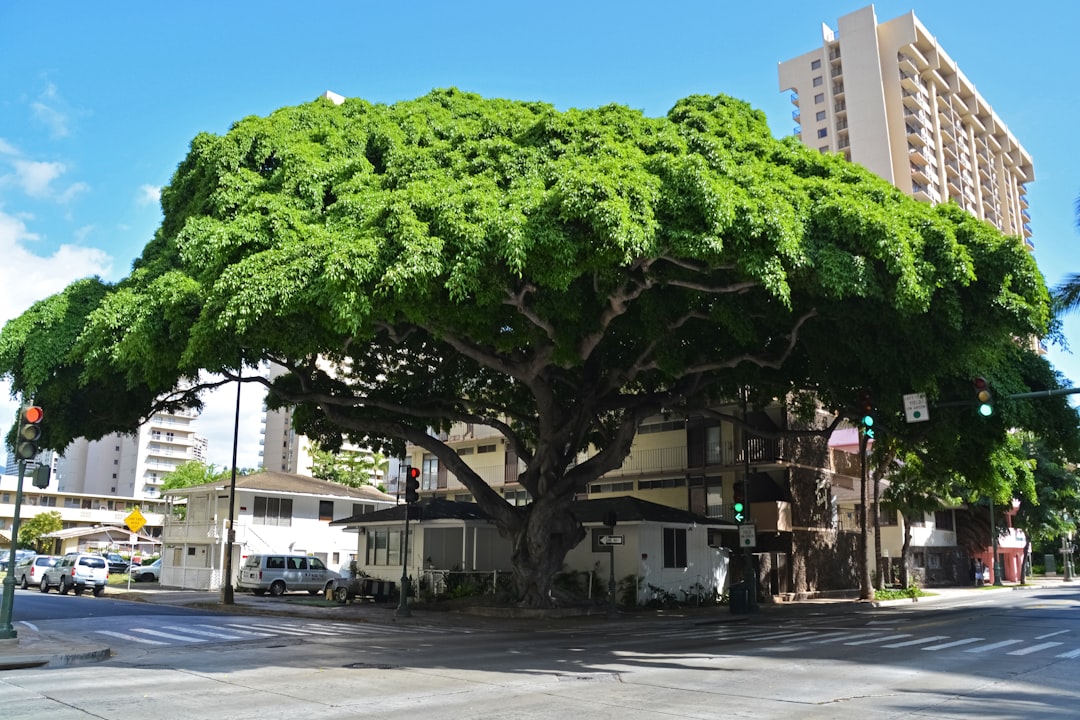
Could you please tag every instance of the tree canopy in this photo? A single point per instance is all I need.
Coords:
(557, 276)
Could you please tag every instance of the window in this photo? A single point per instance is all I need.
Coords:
(480, 449)
(383, 547)
(272, 511)
(516, 497)
(429, 480)
(943, 520)
(819, 81)
(824, 148)
(823, 132)
(362, 508)
(465, 451)
(819, 98)
(674, 547)
(326, 509)
(820, 115)
(815, 65)
(658, 484)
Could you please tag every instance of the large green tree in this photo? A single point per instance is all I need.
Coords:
(557, 276)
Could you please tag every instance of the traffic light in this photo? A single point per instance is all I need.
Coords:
(412, 485)
(867, 413)
(41, 475)
(738, 505)
(983, 396)
(26, 446)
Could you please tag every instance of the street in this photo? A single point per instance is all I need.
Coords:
(999, 653)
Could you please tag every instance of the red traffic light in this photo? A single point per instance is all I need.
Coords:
(414, 473)
(33, 414)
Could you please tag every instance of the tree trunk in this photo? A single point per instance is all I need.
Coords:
(905, 576)
(879, 580)
(540, 546)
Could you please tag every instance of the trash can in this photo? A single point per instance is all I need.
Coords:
(739, 599)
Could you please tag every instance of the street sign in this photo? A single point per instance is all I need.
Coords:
(916, 408)
(748, 536)
(611, 539)
(135, 521)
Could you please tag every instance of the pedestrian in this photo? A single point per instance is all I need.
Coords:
(979, 568)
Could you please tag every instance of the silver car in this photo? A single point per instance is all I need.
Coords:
(29, 570)
(78, 572)
(278, 574)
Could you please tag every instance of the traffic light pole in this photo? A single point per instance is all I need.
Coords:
(7, 630)
(403, 603)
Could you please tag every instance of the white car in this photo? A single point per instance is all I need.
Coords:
(148, 573)
(78, 572)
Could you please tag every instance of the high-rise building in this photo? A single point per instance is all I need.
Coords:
(889, 98)
(132, 466)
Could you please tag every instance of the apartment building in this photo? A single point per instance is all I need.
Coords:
(791, 483)
(890, 98)
(78, 510)
(133, 466)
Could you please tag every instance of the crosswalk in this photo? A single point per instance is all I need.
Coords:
(887, 638)
(196, 633)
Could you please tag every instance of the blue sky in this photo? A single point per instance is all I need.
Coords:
(99, 101)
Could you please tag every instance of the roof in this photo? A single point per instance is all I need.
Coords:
(627, 509)
(121, 533)
(430, 509)
(271, 481)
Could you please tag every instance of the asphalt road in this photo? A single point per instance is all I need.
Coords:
(993, 654)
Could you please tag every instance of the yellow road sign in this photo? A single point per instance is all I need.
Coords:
(135, 521)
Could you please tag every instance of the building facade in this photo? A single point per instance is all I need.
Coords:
(890, 98)
(131, 466)
(274, 513)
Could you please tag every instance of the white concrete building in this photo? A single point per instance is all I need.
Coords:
(891, 99)
(131, 466)
(274, 512)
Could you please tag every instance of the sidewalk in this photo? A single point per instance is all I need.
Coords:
(33, 648)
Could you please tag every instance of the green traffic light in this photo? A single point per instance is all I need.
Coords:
(986, 410)
(868, 420)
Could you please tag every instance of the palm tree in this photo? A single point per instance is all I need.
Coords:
(1067, 294)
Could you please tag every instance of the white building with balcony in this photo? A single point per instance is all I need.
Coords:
(131, 466)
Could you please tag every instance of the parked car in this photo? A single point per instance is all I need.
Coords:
(29, 570)
(151, 572)
(278, 574)
(78, 572)
(117, 564)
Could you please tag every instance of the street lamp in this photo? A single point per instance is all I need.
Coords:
(227, 595)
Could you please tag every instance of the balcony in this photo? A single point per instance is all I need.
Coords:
(838, 90)
(907, 65)
(918, 136)
(836, 71)
(919, 176)
(1027, 230)
(912, 83)
(915, 101)
(796, 115)
(840, 107)
(916, 154)
(794, 98)
(1029, 244)
(834, 53)
(926, 193)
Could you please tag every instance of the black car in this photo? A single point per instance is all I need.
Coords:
(117, 563)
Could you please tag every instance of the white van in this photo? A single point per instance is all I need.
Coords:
(279, 574)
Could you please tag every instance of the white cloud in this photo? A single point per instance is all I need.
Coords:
(149, 195)
(35, 178)
(218, 419)
(47, 109)
(7, 148)
(26, 278)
